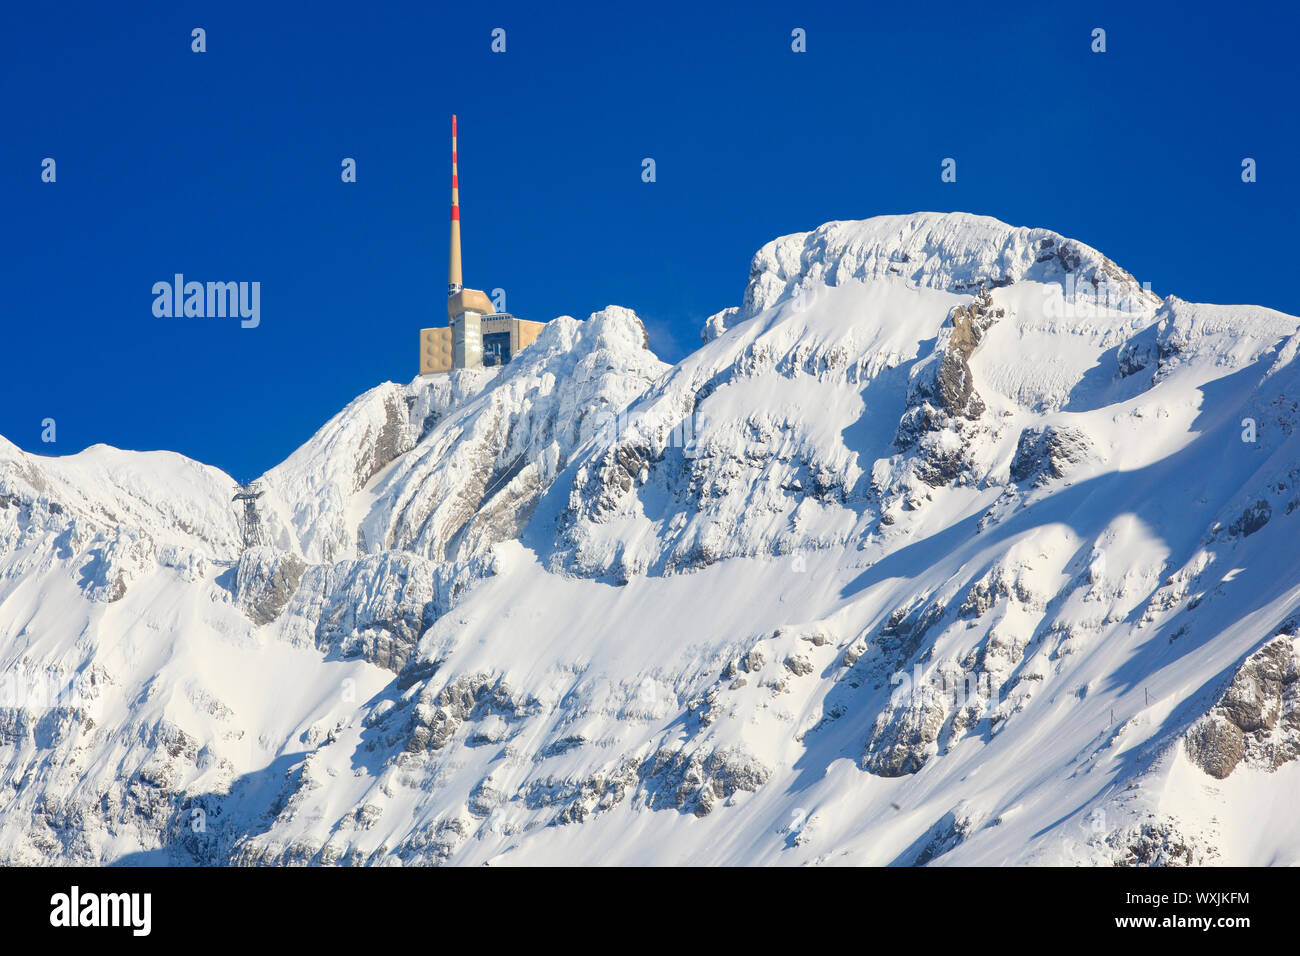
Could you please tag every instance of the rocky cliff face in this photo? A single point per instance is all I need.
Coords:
(951, 544)
(1256, 721)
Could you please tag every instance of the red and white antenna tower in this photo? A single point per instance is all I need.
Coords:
(454, 283)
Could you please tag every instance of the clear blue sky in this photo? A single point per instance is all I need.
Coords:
(225, 166)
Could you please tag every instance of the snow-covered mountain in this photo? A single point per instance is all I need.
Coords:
(952, 544)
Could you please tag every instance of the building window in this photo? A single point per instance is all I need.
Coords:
(496, 348)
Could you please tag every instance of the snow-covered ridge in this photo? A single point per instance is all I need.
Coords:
(931, 554)
(410, 468)
(954, 252)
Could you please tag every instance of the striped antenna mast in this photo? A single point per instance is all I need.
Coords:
(454, 284)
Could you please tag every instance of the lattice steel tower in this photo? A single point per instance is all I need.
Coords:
(250, 522)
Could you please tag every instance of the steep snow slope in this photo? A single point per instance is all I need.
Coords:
(952, 544)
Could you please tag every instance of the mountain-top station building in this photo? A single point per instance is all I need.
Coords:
(476, 335)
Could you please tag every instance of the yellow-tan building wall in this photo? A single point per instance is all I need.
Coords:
(435, 350)
(469, 300)
(526, 333)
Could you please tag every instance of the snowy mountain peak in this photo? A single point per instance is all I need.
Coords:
(932, 553)
(952, 252)
(419, 467)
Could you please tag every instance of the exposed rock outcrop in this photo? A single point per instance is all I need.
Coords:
(1257, 720)
(265, 580)
(942, 401)
(1048, 453)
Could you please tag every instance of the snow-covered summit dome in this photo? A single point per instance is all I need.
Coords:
(953, 252)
